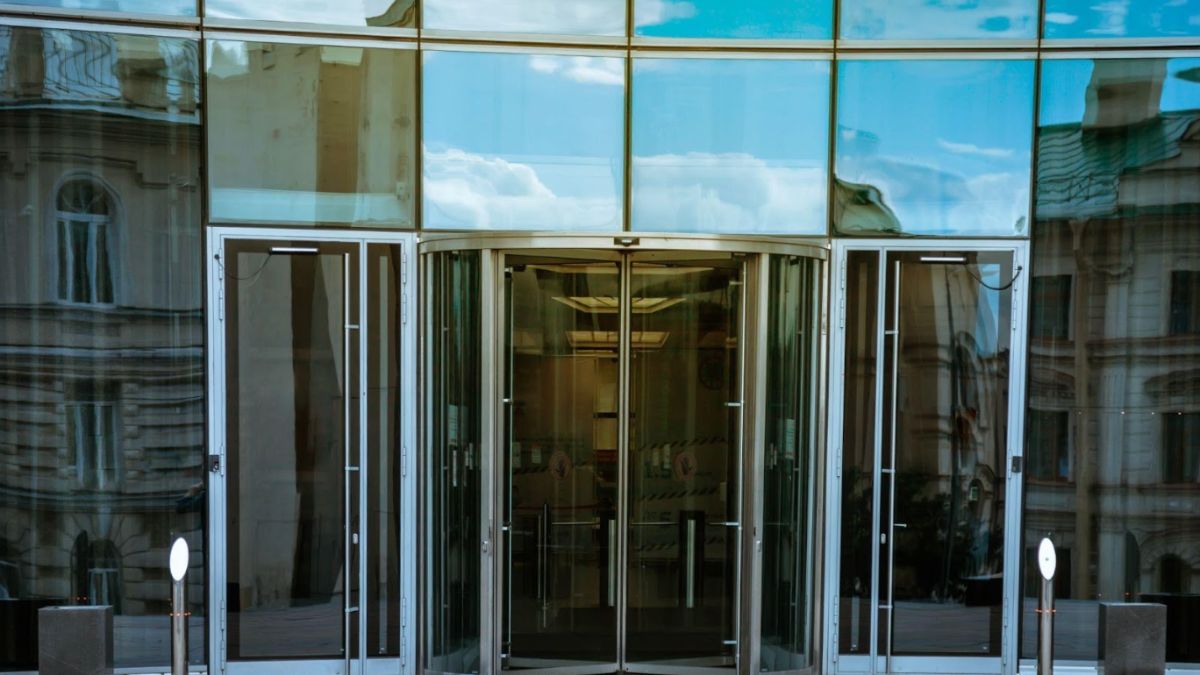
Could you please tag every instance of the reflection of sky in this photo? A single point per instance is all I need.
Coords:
(716, 149)
(948, 143)
(170, 7)
(938, 19)
(1121, 18)
(337, 12)
(798, 20)
(516, 141)
(1065, 84)
(572, 17)
(987, 308)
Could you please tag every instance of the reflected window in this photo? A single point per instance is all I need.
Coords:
(94, 435)
(570, 17)
(925, 20)
(1051, 296)
(311, 134)
(1088, 19)
(522, 141)
(1181, 448)
(96, 573)
(168, 7)
(730, 145)
(1047, 449)
(363, 13)
(745, 19)
(83, 215)
(949, 153)
(1185, 302)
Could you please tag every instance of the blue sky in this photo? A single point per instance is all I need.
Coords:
(1121, 18)
(796, 19)
(1065, 83)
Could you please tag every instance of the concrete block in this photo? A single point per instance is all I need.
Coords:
(1133, 638)
(75, 640)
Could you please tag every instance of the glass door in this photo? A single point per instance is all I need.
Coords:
(927, 451)
(307, 482)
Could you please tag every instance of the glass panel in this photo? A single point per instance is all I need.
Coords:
(949, 155)
(285, 363)
(575, 17)
(926, 20)
(560, 488)
(1118, 188)
(1088, 19)
(384, 379)
(169, 7)
(311, 135)
(715, 148)
(792, 441)
(364, 13)
(950, 408)
(452, 528)
(523, 141)
(747, 19)
(684, 461)
(858, 451)
(102, 398)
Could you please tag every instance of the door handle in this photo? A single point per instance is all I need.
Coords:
(900, 525)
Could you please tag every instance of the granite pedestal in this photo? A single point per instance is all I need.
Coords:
(75, 640)
(1133, 638)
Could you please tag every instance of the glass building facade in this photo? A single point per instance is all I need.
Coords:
(590, 336)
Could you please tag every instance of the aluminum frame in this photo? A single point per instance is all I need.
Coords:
(216, 238)
(834, 662)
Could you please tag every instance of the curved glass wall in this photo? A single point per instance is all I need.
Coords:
(632, 446)
(924, 20)
(1089, 20)
(714, 148)
(311, 134)
(351, 14)
(949, 154)
(1113, 467)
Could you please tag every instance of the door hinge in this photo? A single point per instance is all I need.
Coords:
(403, 461)
(214, 463)
(1018, 463)
(220, 296)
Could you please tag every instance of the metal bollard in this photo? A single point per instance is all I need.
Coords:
(179, 638)
(1047, 561)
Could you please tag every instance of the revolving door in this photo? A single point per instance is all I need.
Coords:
(620, 446)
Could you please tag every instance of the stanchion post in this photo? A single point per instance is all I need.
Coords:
(1047, 561)
(179, 638)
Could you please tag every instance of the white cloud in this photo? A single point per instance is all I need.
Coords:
(911, 19)
(1061, 18)
(1112, 22)
(731, 192)
(655, 12)
(972, 149)
(583, 17)
(585, 69)
(467, 190)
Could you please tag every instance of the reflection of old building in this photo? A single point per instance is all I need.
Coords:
(101, 363)
(1113, 439)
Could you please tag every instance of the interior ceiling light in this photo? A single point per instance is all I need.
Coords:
(607, 304)
(609, 339)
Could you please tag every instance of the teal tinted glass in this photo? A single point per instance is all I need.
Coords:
(570, 17)
(949, 152)
(746, 19)
(368, 13)
(522, 141)
(1088, 19)
(730, 145)
(311, 134)
(168, 7)
(938, 19)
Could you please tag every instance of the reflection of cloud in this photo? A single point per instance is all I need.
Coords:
(466, 190)
(922, 19)
(972, 149)
(733, 192)
(585, 69)
(1061, 18)
(931, 200)
(580, 17)
(1112, 20)
(655, 12)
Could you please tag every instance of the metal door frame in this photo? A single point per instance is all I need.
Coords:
(492, 247)
(833, 662)
(216, 238)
